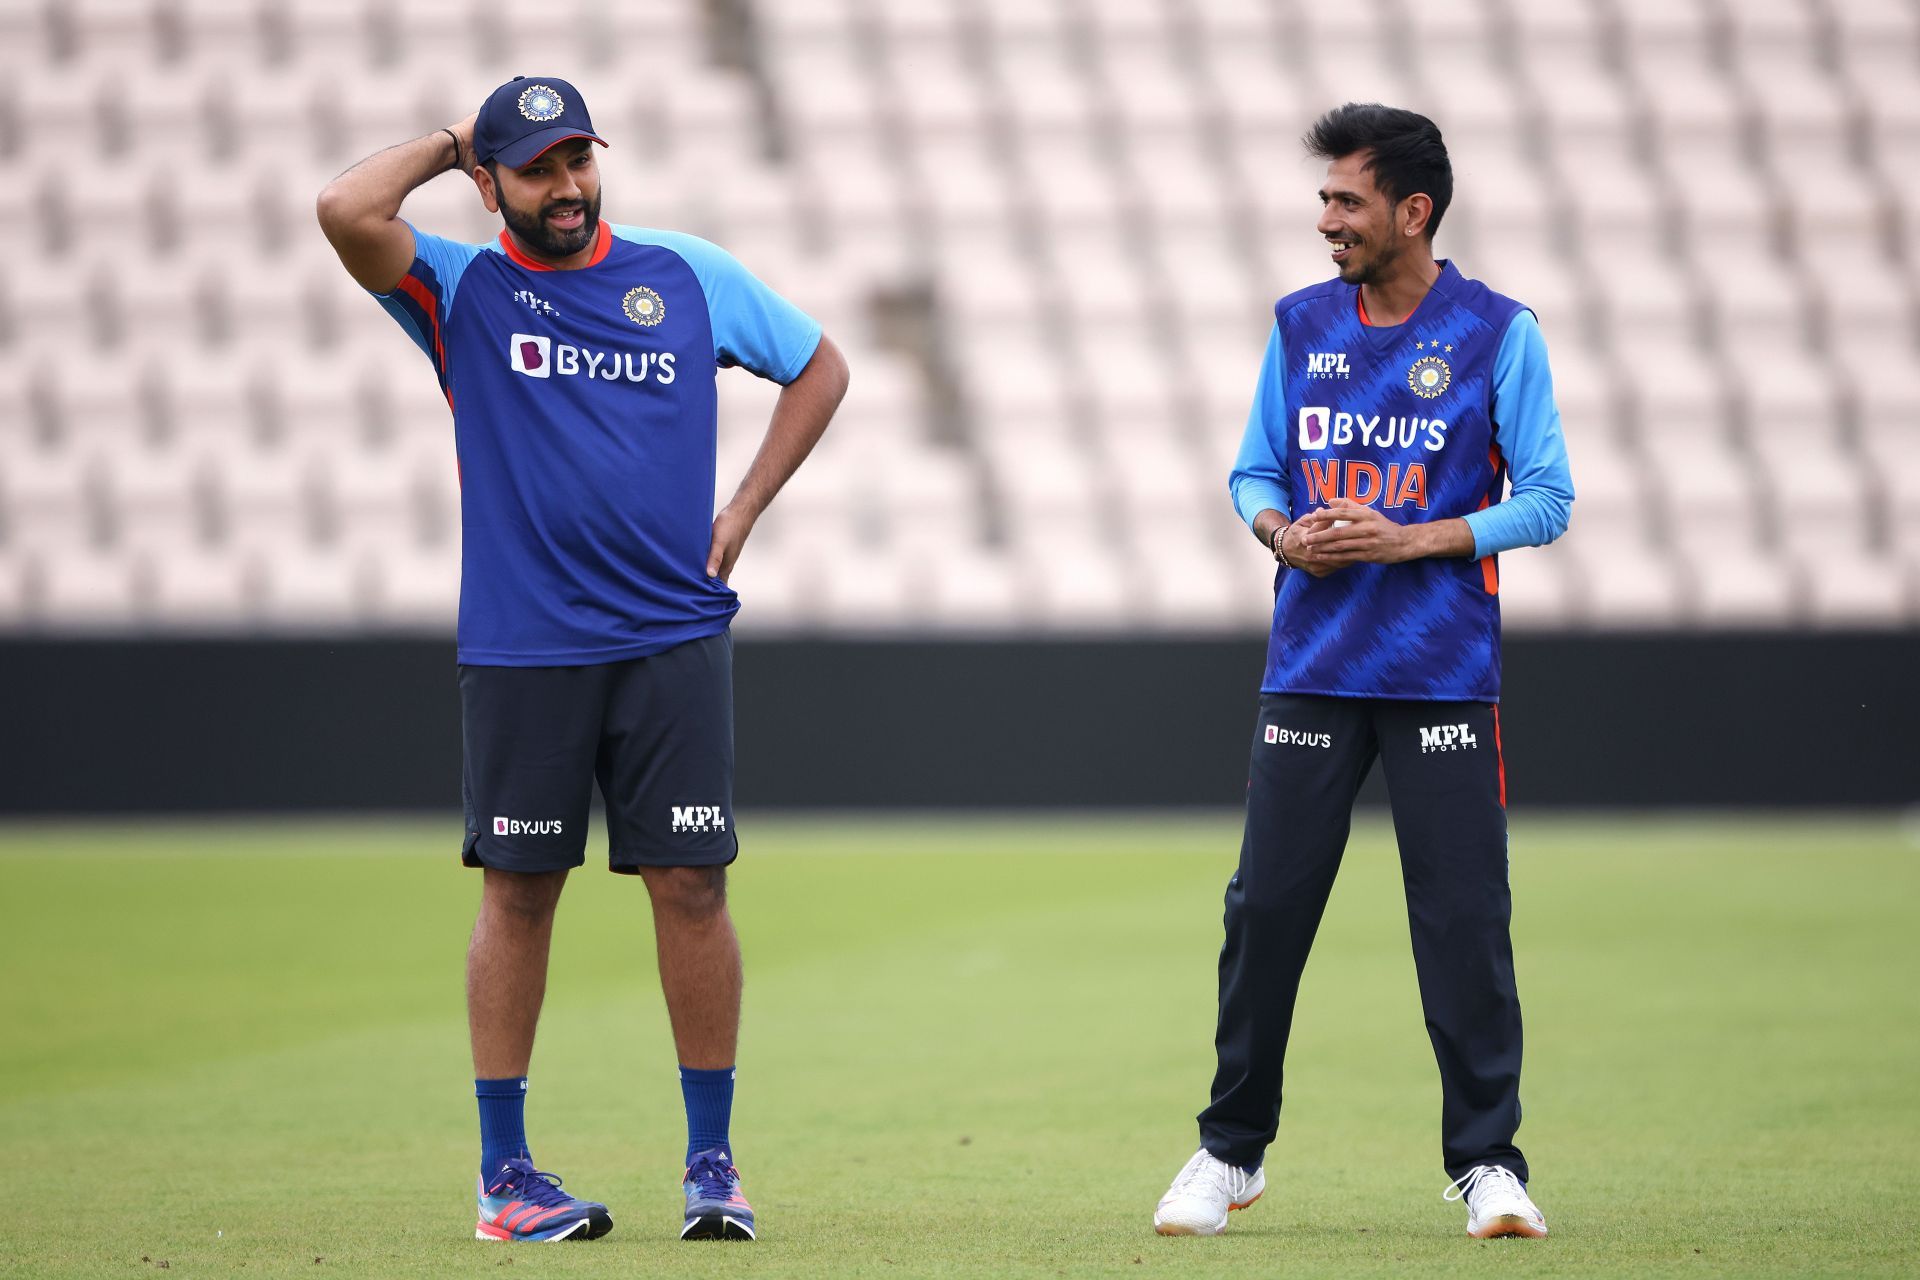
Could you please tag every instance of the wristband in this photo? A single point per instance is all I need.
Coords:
(456, 149)
(1279, 545)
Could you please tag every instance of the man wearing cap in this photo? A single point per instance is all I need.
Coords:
(578, 358)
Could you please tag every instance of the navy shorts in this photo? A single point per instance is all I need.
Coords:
(655, 732)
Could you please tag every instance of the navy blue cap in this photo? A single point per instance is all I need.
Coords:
(525, 116)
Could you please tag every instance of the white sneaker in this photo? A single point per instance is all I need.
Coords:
(1497, 1204)
(1203, 1194)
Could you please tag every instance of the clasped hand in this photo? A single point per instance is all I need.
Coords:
(1317, 545)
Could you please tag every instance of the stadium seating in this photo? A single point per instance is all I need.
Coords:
(1047, 233)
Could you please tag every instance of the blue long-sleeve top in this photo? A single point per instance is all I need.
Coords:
(1526, 427)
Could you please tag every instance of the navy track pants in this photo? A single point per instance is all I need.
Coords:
(1447, 787)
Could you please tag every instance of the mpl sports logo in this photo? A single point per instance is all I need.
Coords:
(539, 356)
(1447, 737)
(527, 827)
(536, 303)
(697, 819)
(1327, 364)
(1297, 737)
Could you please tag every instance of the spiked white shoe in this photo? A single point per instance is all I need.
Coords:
(1497, 1204)
(1203, 1194)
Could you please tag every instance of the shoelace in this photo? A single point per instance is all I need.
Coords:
(531, 1185)
(1482, 1178)
(713, 1180)
(1204, 1169)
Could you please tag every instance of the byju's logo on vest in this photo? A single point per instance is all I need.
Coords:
(538, 356)
(531, 355)
(1313, 426)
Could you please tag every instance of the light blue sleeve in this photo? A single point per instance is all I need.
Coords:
(1526, 426)
(419, 302)
(753, 326)
(1259, 480)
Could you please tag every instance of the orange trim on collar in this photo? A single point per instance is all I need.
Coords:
(1356, 297)
(602, 245)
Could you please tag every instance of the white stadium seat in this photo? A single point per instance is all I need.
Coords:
(1048, 233)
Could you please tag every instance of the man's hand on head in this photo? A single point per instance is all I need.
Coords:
(465, 162)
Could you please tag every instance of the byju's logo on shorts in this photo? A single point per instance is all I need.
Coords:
(1313, 426)
(532, 354)
(1446, 737)
(1297, 737)
(527, 826)
(697, 819)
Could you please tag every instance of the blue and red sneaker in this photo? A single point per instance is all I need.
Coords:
(522, 1203)
(715, 1208)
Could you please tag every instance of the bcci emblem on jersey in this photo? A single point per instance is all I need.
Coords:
(643, 306)
(539, 102)
(1429, 376)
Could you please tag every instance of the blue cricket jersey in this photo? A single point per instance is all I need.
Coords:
(584, 421)
(1425, 420)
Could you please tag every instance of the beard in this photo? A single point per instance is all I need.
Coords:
(1371, 269)
(533, 230)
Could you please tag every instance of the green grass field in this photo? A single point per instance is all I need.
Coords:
(971, 1046)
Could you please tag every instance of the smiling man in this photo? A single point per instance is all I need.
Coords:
(578, 358)
(1394, 406)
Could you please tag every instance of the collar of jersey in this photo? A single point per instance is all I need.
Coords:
(602, 242)
(1440, 286)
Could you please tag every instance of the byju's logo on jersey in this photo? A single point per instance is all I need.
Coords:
(1314, 421)
(531, 354)
(1327, 364)
(537, 356)
(1321, 426)
(1446, 737)
(697, 819)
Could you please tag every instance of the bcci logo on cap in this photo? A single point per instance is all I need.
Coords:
(541, 103)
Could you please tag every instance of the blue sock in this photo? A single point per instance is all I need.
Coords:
(503, 1124)
(709, 1097)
